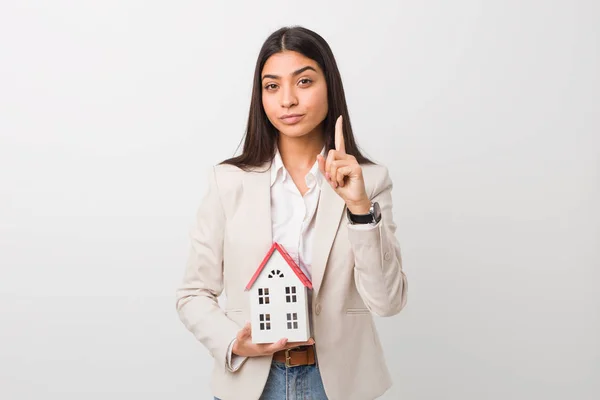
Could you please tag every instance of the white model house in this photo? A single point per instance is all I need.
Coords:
(279, 299)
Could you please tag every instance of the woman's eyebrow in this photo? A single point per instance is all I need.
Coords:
(297, 72)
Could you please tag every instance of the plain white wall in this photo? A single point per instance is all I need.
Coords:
(486, 113)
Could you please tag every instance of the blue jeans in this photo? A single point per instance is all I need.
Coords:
(294, 383)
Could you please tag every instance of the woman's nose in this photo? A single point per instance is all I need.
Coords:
(288, 99)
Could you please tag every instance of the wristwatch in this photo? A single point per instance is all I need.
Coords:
(373, 217)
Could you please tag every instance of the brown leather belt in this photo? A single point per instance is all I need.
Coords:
(303, 355)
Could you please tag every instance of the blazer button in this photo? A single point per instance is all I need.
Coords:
(387, 256)
(318, 309)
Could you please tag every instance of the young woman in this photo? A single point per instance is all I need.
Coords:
(300, 181)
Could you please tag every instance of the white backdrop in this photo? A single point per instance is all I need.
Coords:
(486, 113)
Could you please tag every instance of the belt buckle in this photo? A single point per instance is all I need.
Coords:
(288, 358)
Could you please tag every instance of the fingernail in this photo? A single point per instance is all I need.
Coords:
(327, 175)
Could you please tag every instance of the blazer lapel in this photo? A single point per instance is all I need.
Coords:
(329, 213)
(257, 199)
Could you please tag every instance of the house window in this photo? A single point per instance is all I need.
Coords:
(292, 320)
(290, 294)
(263, 296)
(265, 322)
(276, 274)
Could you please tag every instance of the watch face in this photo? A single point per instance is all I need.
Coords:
(376, 211)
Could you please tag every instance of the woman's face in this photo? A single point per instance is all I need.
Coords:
(293, 84)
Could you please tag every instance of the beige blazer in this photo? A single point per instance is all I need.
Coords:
(356, 274)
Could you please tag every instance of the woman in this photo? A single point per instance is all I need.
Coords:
(302, 182)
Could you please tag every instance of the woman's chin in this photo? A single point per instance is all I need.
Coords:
(295, 131)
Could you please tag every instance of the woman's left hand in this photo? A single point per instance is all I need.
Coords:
(344, 174)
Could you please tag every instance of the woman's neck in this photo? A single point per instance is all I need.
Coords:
(300, 153)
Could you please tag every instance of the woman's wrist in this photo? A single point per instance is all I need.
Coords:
(359, 208)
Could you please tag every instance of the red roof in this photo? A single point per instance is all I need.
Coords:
(305, 281)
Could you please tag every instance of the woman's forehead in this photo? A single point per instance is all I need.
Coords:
(287, 63)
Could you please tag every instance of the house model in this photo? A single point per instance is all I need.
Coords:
(279, 299)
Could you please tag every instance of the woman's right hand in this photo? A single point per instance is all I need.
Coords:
(244, 347)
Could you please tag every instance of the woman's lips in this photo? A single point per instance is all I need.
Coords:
(292, 120)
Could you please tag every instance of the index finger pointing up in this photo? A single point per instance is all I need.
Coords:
(339, 136)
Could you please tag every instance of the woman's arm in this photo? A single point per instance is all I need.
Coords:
(378, 264)
(197, 304)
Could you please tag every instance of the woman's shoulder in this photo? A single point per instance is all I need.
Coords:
(375, 169)
(227, 175)
(377, 178)
(230, 176)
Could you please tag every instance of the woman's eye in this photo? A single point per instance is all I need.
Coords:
(270, 85)
(306, 80)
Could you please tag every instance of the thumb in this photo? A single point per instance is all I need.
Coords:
(246, 331)
(278, 345)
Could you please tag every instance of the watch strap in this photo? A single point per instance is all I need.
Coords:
(363, 218)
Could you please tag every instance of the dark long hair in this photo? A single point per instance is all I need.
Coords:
(261, 135)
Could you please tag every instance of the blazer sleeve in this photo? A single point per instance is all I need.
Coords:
(196, 298)
(378, 273)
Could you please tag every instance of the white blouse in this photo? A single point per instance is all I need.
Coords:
(293, 215)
